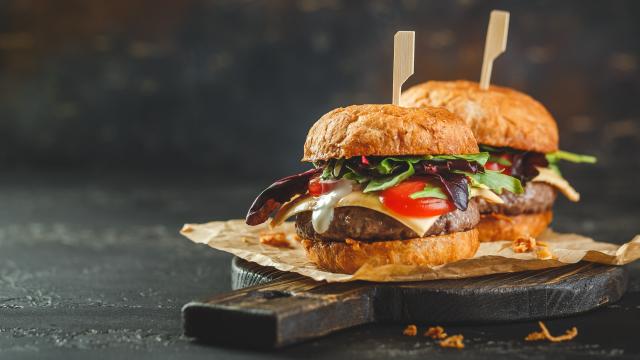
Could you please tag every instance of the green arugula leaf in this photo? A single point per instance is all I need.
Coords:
(430, 191)
(500, 160)
(388, 165)
(327, 172)
(554, 157)
(496, 181)
(337, 167)
(354, 175)
(389, 181)
(481, 157)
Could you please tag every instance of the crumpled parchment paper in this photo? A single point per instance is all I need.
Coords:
(237, 238)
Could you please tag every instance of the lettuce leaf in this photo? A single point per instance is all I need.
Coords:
(389, 181)
(500, 160)
(554, 157)
(481, 157)
(354, 175)
(430, 191)
(496, 181)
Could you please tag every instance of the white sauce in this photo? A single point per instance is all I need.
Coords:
(323, 210)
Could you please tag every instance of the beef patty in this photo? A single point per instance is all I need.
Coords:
(368, 225)
(537, 197)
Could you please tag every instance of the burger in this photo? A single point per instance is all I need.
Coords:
(389, 185)
(521, 137)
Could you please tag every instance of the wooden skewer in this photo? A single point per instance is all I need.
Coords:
(403, 52)
(495, 44)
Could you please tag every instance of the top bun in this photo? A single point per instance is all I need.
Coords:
(387, 130)
(498, 116)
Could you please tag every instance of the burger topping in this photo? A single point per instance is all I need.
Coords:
(363, 224)
(446, 183)
(416, 197)
(277, 194)
(420, 225)
(538, 197)
(452, 175)
(548, 176)
(323, 208)
(535, 167)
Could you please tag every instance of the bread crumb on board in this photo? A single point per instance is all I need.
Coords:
(546, 335)
(453, 341)
(410, 330)
(276, 239)
(543, 253)
(528, 244)
(524, 244)
(435, 332)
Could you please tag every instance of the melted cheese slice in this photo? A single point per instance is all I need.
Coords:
(485, 193)
(550, 177)
(370, 201)
(420, 225)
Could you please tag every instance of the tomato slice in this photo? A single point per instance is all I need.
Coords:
(318, 187)
(397, 199)
(497, 166)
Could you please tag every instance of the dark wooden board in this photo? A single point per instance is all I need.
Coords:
(271, 308)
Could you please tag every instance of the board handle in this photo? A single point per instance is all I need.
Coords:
(279, 313)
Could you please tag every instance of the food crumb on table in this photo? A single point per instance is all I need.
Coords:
(453, 341)
(545, 334)
(276, 239)
(436, 332)
(524, 244)
(410, 330)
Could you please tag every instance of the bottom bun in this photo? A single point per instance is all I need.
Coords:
(347, 257)
(496, 227)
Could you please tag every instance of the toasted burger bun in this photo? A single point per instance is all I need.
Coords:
(498, 116)
(496, 227)
(347, 257)
(387, 130)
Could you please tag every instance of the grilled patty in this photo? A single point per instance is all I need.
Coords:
(537, 197)
(368, 225)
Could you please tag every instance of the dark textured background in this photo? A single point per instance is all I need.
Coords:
(231, 87)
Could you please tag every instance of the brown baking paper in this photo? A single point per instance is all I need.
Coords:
(237, 238)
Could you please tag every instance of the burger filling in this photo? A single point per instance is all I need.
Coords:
(368, 225)
(538, 172)
(384, 198)
(537, 197)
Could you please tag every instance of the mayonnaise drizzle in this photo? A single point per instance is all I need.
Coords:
(323, 209)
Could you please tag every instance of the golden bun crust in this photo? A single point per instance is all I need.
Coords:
(347, 257)
(498, 117)
(498, 227)
(387, 130)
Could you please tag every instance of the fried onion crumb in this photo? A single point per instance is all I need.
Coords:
(436, 332)
(543, 253)
(276, 239)
(453, 341)
(410, 330)
(545, 334)
(524, 244)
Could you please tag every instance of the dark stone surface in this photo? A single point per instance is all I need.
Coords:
(93, 266)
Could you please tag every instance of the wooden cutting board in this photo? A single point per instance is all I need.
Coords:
(271, 308)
